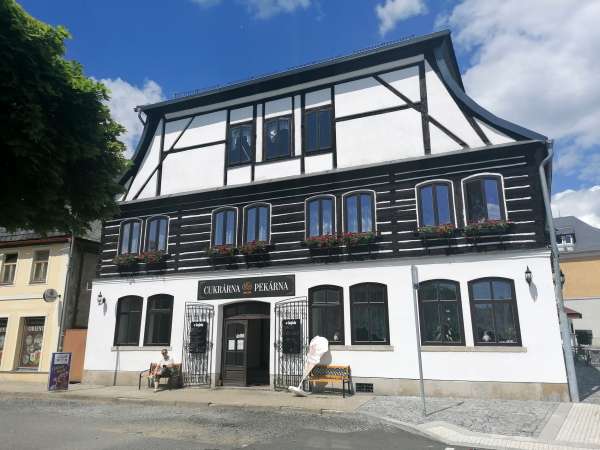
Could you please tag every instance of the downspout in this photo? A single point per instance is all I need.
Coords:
(565, 332)
(65, 297)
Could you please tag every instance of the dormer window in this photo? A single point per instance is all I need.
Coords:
(566, 240)
(130, 234)
(224, 226)
(484, 198)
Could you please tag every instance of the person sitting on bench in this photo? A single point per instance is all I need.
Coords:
(162, 368)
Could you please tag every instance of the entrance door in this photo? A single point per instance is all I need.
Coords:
(234, 352)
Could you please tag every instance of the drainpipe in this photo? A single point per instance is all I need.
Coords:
(565, 332)
(65, 298)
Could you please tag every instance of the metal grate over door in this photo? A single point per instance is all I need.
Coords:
(197, 344)
(291, 341)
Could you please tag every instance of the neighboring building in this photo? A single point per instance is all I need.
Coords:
(30, 322)
(247, 189)
(579, 246)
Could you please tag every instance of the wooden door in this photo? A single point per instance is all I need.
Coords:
(234, 352)
(75, 343)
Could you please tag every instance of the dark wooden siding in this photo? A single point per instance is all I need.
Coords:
(396, 215)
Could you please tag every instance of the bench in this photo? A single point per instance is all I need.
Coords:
(173, 380)
(329, 374)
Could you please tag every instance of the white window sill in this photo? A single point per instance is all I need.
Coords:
(361, 348)
(463, 349)
(135, 348)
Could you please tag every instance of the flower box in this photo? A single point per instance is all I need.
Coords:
(358, 239)
(489, 227)
(319, 242)
(222, 251)
(126, 260)
(436, 231)
(152, 257)
(254, 248)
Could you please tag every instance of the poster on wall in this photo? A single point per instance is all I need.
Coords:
(58, 380)
(3, 322)
(31, 342)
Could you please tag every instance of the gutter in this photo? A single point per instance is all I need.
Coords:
(65, 298)
(563, 321)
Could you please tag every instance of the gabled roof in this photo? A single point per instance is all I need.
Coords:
(587, 237)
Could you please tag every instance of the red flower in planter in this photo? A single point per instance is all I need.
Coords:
(152, 257)
(446, 229)
(353, 239)
(325, 241)
(254, 247)
(487, 226)
(222, 250)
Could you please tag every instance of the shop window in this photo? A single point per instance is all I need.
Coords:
(359, 212)
(369, 314)
(494, 312)
(440, 313)
(32, 337)
(326, 304)
(156, 234)
(224, 224)
(159, 313)
(318, 126)
(320, 212)
(434, 200)
(240, 144)
(9, 268)
(129, 319)
(278, 137)
(130, 233)
(3, 325)
(39, 268)
(257, 223)
(484, 199)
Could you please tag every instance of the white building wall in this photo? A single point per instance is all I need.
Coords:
(538, 360)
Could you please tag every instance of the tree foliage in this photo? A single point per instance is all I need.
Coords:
(60, 156)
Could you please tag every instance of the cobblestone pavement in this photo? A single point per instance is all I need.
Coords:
(588, 379)
(506, 417)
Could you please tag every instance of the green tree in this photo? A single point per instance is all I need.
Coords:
(60, 156)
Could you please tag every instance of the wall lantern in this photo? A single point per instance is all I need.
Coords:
(100, 299)
(528, 277)
(562, 278)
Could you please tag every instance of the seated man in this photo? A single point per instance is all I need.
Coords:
(162, 368)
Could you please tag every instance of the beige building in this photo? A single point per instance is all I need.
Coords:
(579, 245)
(44, 301)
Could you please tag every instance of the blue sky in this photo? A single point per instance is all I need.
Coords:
(525, 61)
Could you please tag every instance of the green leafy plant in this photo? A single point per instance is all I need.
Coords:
(222, 250)
(254, 247)
(128, 259)
(356, 239)
(152, 257)
(325, 241)
(487, 227)
(446, 229)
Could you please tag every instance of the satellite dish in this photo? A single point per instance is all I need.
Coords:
(50, 295)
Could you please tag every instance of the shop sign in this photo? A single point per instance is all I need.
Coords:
(250, 287)
(198, 331)
(290, 336)
(58, 380)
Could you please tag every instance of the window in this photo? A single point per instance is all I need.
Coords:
(440, 313)
(39, 268)
(320, 214)
(156, 234)
(278, 137)
(240, 144)
(257, 223)
(32, 337)
(158, 320)
(224, 227)
(494, 312)
(565, 239)
(484, 199)
(327, 313)
(129, 235)
(318, 126)
(3, 324)
(129, 319)
(435, 203)
(359, 212)
(369, 313)
(9, 268)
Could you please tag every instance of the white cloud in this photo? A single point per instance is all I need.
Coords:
(536, 63)
(583, 203)
(394, 11)
(263, 9)
(123, 98)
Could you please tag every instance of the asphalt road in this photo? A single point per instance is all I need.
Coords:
(66, 424)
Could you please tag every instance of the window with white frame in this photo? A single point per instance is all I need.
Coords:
(9, 268)
(434, 200)
(484, 198)
(256, 223)
(130, 233)
(156, 234)
(359, 212)
(320, 216)
(39, 267)
(224, 227)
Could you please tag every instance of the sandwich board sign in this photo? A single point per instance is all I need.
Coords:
(60, 366)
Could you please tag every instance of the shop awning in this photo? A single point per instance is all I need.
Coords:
(572, 314)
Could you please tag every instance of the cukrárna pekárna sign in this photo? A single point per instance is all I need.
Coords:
(250, 287)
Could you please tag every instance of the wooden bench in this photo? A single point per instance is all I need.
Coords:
(329, 374)
(173, 380)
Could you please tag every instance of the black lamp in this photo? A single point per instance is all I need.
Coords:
(528, 277)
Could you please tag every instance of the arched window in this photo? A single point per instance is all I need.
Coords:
(434, 200)
(484, 198)
(130, 233)
(369, 313)
(326, 305)
(156, 234)
(440, 313)
(224, 227)
(159, 313)
(129, 320)
(257, 220)
(494, 312)
(320, 216)
(359, 212)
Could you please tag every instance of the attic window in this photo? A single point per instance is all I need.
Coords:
(565, 239)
